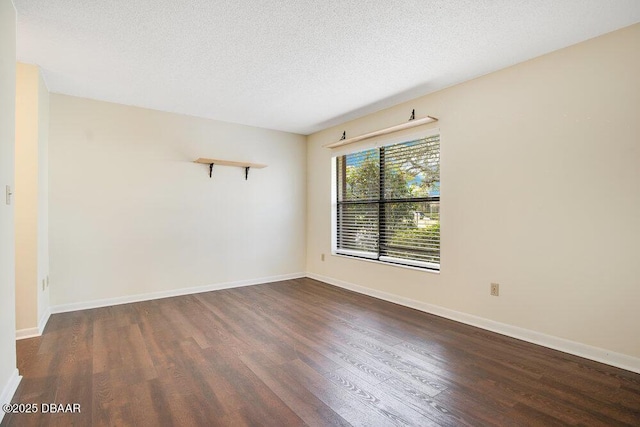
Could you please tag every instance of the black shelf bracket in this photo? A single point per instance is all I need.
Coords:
(213, 162)
(413, 115)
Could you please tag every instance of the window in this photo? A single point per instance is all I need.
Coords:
(388, 203)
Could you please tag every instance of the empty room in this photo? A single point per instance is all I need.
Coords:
(297, 213)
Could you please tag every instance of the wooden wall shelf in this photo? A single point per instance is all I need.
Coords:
(245, 165)
(410, 124)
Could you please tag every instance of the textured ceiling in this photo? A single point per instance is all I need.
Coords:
(298, 66)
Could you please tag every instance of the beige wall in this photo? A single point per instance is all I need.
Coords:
(131, 214)
(540, 192)
(43, 201)
(32, 112)
(8, 369)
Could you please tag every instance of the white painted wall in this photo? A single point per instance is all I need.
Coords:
(43, 201)
(130, 213)
(540, 192)
(8, 370)
(32, 129)
(26, 196)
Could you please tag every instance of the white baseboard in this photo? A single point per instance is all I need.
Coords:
(578, 349)
(22, 334)
(42, 322)
(34, 332)
(9, 389)
(63, 308)
(572, 347)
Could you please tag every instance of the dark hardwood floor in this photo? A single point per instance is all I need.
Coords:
(301, 352)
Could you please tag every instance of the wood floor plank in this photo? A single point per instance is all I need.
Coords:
(335, 396)
(301, 352)
(306, 405)
(380, 400)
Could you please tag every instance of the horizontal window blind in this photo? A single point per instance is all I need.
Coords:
(388, 203)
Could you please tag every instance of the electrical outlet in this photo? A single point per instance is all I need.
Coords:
(321, 257)
(495, 289)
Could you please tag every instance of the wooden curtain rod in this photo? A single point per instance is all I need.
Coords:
(408, 125)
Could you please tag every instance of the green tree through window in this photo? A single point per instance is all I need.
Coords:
(388, 205)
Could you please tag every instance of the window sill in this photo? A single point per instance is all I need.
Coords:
(392, 264)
